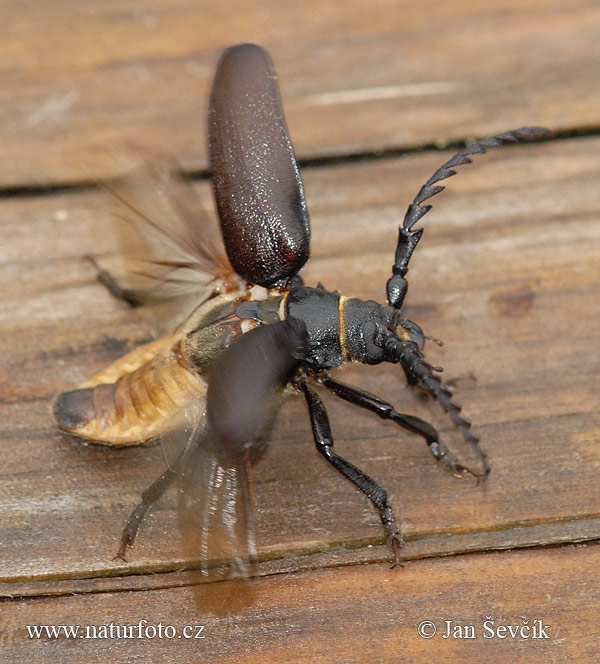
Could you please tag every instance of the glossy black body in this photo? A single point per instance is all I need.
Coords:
(339, 329)
(318, 310)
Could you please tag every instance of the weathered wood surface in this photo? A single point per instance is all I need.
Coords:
(387, 75)
(508, 275)
(345, 616)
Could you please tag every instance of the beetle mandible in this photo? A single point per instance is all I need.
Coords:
(256, 330)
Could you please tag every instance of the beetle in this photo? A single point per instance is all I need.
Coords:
(256, 332)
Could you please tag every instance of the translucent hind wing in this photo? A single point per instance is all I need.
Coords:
(215, 511)
(177, 443)
(169, 245)
(214, 498)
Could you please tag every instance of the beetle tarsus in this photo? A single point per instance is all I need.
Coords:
(395, 543)
(386, 411)
(125, 544)
(478, 476)
(131, 529)
(419, 372)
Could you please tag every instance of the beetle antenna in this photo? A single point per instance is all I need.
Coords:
(420, 372)
(436, 341)
(408, 238)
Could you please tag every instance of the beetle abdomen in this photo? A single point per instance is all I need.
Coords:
(137, 406)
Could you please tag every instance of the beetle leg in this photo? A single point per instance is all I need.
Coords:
(375, 493)
(153, 493)
(386, 411)
(133, 297)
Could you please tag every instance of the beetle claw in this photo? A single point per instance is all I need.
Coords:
(395, 543)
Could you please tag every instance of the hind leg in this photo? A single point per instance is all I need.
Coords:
(374, 492)
(134, 298)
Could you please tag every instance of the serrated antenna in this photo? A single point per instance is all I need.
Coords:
(408, 238)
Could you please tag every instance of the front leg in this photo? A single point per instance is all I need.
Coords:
(375, 493)
(386, 411)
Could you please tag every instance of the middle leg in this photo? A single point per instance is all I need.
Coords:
(386, 411)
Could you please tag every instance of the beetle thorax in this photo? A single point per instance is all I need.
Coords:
(338, 329)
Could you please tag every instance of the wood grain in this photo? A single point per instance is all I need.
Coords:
(80, 77)
(521, 226)
(507, 274)
(347, 615)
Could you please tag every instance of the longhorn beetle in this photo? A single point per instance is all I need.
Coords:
(256, 331)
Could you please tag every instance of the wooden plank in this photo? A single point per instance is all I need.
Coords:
(350, 614)
(78, 78)
(508, 275)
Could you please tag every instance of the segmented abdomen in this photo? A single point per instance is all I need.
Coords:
(138, 397)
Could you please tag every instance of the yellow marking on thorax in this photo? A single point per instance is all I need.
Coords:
(281, 311)
(343, 330)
